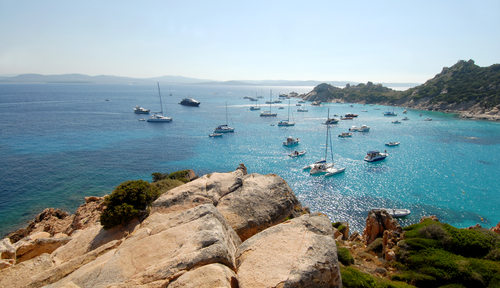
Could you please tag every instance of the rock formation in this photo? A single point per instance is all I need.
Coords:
(377, 221)
(192, 238)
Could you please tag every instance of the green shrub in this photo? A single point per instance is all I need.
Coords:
(422, 243)
(166, 184)
(353, 278)
(345, 256)
(128, 201)
(376, 246)
(180, 175)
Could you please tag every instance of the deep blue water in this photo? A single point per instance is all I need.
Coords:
(62, 142)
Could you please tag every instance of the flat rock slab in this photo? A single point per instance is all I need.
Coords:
(297, 253)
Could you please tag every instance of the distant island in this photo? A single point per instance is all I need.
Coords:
(172, 80)
(464, 88)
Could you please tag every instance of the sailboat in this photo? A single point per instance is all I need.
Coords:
(269, 113)
(327, 169)
(224, 128)
(158, 116)
(287, 121)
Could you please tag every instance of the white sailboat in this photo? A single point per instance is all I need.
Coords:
(326, 169)
(287, 121)
(269, 113)
(225, 127)
(158, 116)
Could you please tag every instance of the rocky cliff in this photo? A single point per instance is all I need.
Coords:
(221, 230)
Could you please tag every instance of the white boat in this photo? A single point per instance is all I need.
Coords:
(158, 116)
(329, 120)
(297, 153)
(215, 135)
(345, 134)
(392, 144)
(406, 118)
(372, 156)
(316, 103)
(389, 113)
(142, 119)
(290, 141)
(396, 122)
(269, 113)
(254, 108)
(395, 212)
(363, 128)
(301, 101)
(364, 110)
(225, 127)
(428, 119)
(326, 169)
(302, 110)
(140, 110)
(287, 122)
(404, 112)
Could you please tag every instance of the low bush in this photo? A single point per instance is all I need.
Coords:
(352, 278)
(345, 256)
(128, 201)
(376, 246)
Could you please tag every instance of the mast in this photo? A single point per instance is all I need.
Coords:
(159, 94)
(326, 146)
(227, 122)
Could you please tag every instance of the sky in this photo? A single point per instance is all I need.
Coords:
(378, 41)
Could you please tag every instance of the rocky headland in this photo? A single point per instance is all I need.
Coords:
(220, 230)
(465, 89)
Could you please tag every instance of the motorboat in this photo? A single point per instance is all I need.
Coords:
(142, 119)
(225, 127)
(406, 118)
(351, 115)
(330, 121)
(316, 103)
(376, 108)
(189, 102)
(140, 110)
(281, 107)
(302, 110)
(213, 135)
(345, 134)
(253, 99)
(297, 153)
(301, 101)
(253, 108)
(392, 144)
(364, 110)
(396, 122)
(428, 119)
(346, 118)
(373, 156)
(290, 141)
(404, 112)
(364, 128)
(298, 104)
(158, 116)
(394, 212)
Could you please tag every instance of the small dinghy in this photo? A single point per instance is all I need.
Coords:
(297, 153)
(392, 144)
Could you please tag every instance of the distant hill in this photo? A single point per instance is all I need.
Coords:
(101, 79)
(463, 88)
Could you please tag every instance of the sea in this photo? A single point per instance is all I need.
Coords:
(61, 142)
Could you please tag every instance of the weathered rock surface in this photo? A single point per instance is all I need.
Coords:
(35, 247)
(251, 203)
(20, 274)
(377, 222)
(7, 251)
(208, 276)
(496, 229)
(297, 253)
(260, 202)
(188, 239)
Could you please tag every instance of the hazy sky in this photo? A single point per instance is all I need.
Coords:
(379, 41)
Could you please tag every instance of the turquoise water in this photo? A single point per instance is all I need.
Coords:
(62, 142)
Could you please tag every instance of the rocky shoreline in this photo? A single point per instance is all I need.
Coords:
(468, 110)
(220, 230)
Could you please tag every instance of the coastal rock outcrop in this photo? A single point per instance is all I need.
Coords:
(377, 221)
(300, 252)
(189, 243)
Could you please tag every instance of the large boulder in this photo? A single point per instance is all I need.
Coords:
(19, 275)
(377, 221)
(7, 251)
(297, 253)
(162, 249)
(250, 202)
(36, 247)
(496, 229)
(208, 276)
(260, 202)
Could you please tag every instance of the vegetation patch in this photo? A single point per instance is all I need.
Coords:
(353, 278)
(345, 256)
(129, 200)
